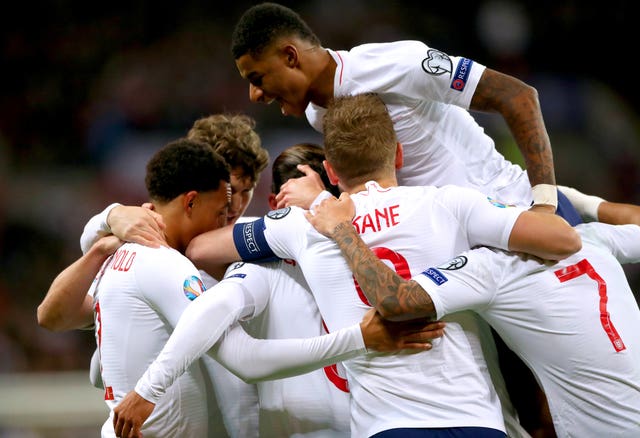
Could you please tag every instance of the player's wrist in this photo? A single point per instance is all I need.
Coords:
(105, 226)
(343, 229)
(545, 194)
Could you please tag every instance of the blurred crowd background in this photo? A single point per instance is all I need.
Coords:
(91, 90)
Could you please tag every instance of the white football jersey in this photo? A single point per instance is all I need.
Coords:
(139, 296)
(312, 404)
(575, 323)
(232, 405)
(428, 93)
(448, 386)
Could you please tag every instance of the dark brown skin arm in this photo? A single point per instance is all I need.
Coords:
(518, 104)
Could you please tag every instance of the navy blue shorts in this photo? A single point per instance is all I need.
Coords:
(442, 432)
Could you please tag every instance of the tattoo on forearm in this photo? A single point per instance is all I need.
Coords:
(384, 288)
(518, 104)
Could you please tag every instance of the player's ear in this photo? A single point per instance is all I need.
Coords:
(331, 174)
(291, 55)
(399, 155)
(188, 201)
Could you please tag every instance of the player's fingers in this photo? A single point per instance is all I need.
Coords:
(419, 346)
(117, 424)
(306, 169)
(157, 219)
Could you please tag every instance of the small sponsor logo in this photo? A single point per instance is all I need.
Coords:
(454, 264)
(437, 63)
(236, 265)
(462, 74)
(193, 287)
(278, 214)
(236, 275)
(436, 276)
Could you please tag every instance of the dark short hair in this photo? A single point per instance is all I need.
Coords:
(262, 24)
(284, 166)
(184, 165)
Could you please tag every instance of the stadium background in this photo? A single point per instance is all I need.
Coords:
(91, 90)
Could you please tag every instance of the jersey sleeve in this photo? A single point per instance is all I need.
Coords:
(413, 70)
(169, 282)
(255, 360)
(255, 283)
(96, 228)
(198, 329)
(622, 240)
(466, 282)
(279, 234)
(486, 221)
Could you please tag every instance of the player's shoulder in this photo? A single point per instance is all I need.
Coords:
(158, 259)
(387, 47)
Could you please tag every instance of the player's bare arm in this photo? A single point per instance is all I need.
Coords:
(208, 251)
(67, 305)
(395, 298)
(519, 105)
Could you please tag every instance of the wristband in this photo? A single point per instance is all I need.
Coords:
(546, 194)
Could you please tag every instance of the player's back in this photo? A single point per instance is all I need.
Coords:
(133, 293)
(312, 404)
(576, 323)
(442, 142)
(409, 228)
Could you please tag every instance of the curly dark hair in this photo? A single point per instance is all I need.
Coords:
(284, 166)
(184, 165)
(262, 24)
(233, 136)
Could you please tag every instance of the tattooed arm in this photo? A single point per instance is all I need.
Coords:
(518, 104)
(395, 298)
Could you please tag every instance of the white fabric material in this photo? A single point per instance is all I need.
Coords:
(586, 205)
(233, 403)
(555, 326)
(96, 228)
(139, 297)
(442, 143)
(273, 302)
(409, 227)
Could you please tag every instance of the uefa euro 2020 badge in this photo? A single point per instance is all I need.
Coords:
(193, 287)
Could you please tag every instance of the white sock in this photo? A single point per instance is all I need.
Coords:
(587, 205)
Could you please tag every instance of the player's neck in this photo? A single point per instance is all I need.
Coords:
(321, 89)
(384, 182)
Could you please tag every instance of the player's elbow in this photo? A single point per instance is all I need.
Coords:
(49, 320)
